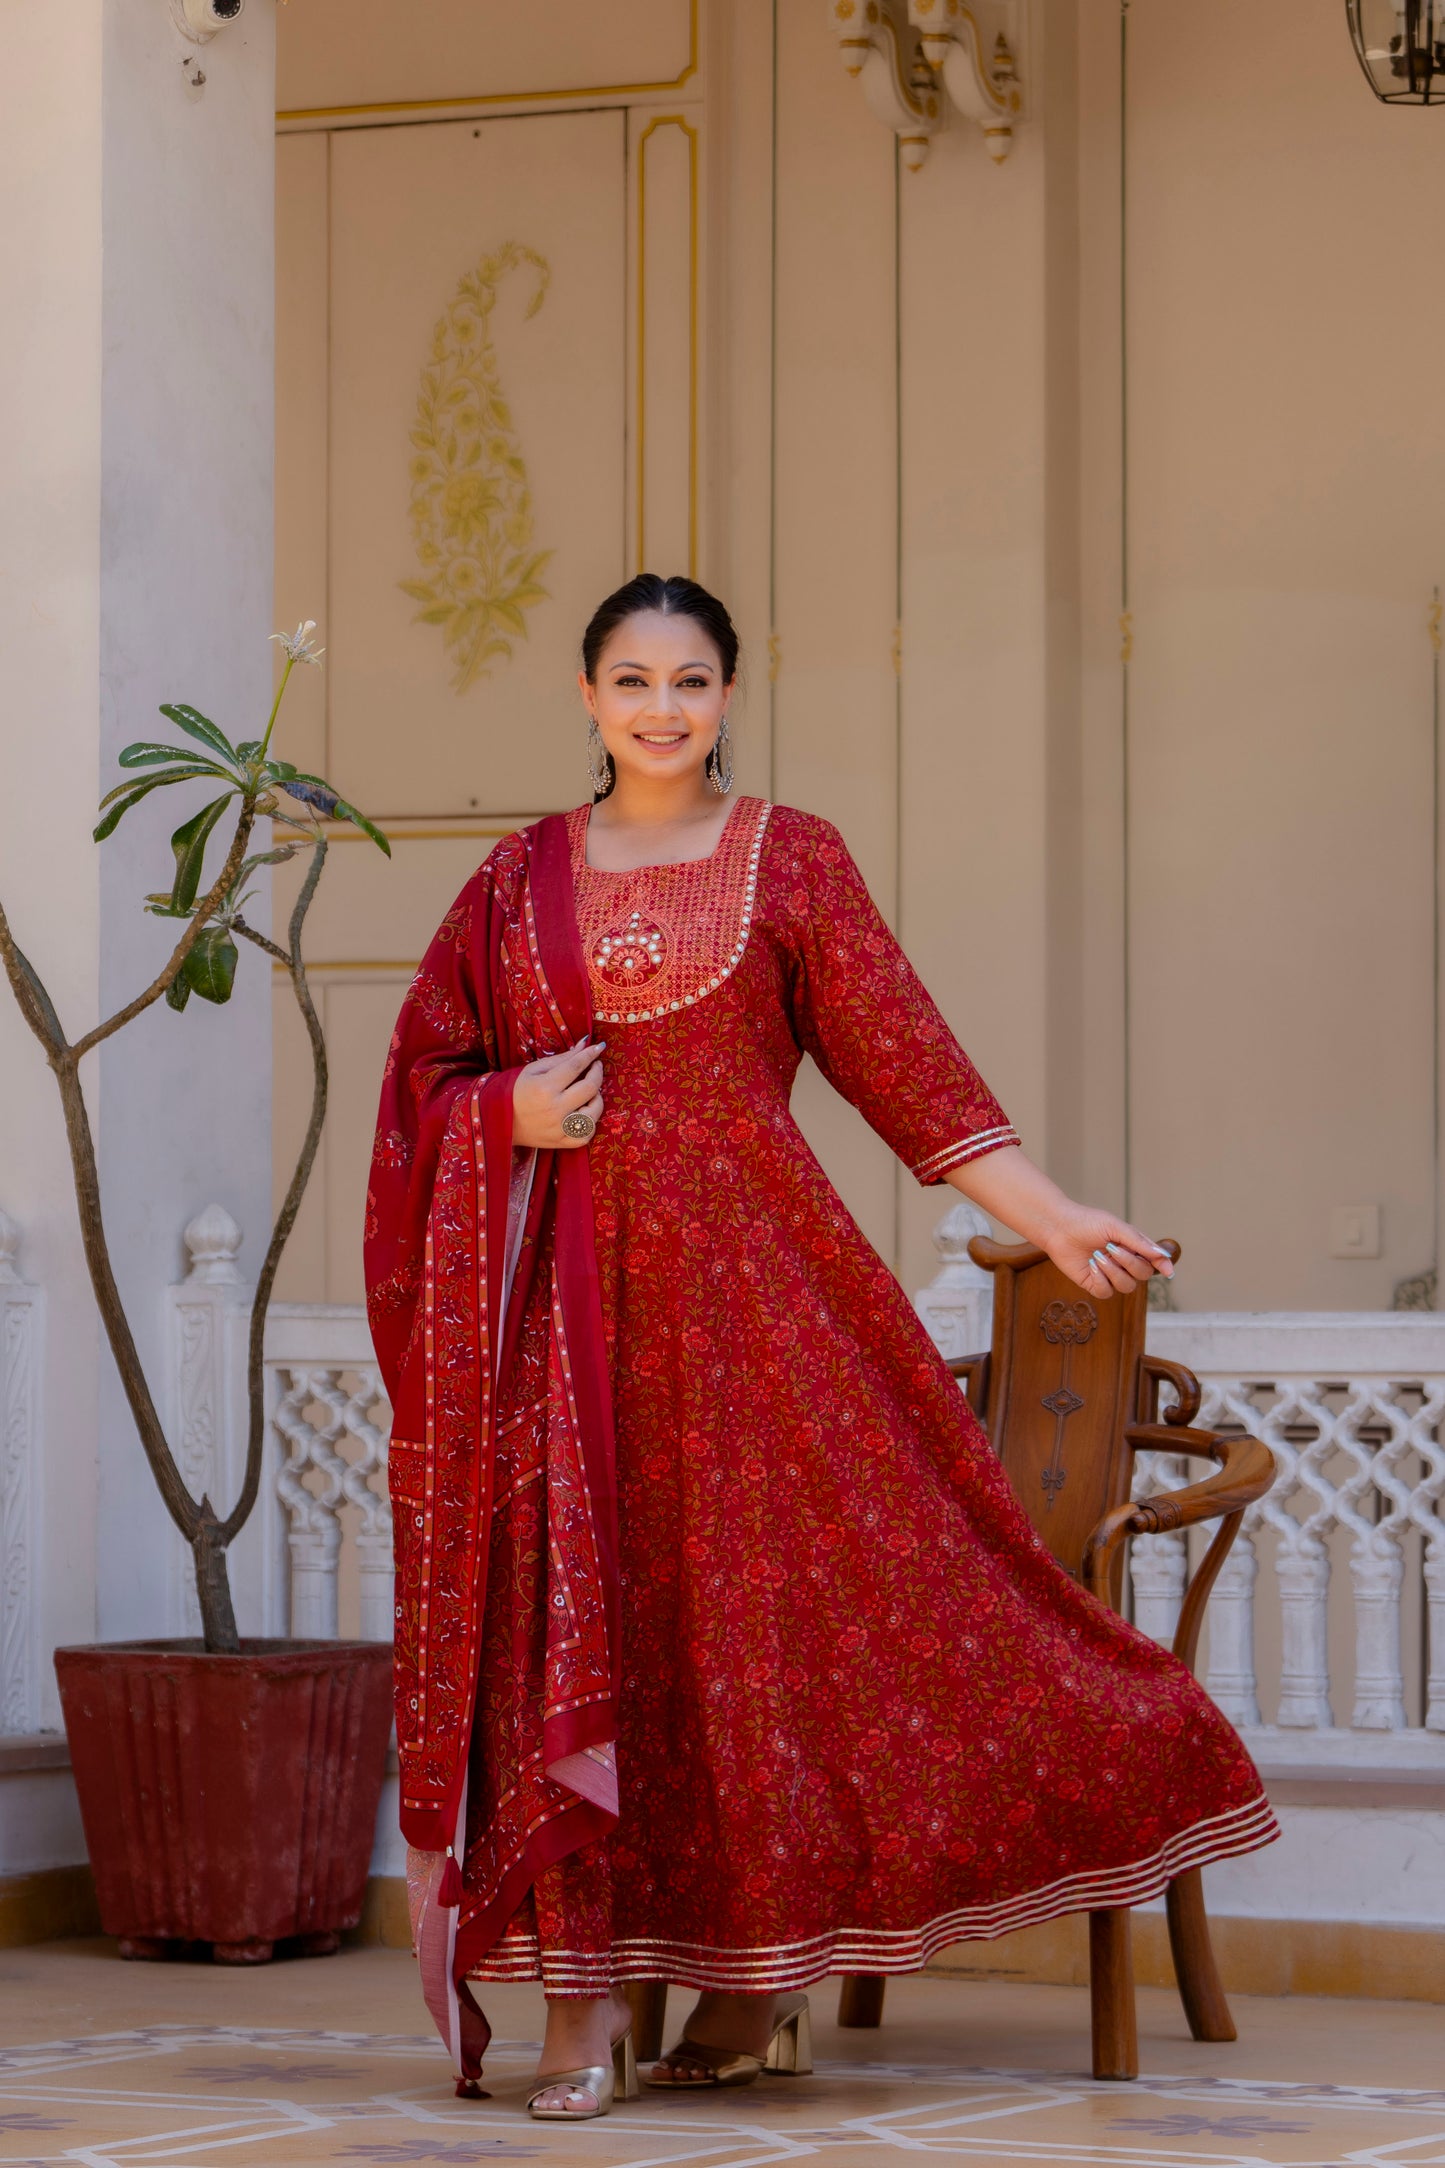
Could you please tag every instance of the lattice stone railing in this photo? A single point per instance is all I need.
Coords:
(330, 1420)
(1351, 1536)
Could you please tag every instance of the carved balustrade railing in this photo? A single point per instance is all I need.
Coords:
(1332, 1603)
(329, 1419)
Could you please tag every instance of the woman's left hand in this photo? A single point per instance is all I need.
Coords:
(1103, 1255)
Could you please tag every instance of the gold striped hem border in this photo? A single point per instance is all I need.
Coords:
(882, 1950)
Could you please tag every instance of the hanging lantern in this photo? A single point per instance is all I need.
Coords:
(1400, 44)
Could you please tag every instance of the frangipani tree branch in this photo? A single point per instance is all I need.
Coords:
(205, 910)
(39, 1012)
(296, 1190)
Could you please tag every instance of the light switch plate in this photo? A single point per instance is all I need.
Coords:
(1354, 1230)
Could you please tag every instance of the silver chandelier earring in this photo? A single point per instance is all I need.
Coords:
(720, 761)
(599, 768)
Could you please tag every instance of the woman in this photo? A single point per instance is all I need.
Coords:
(724, 1653)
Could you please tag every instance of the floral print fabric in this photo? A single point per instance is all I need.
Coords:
(863, 1713)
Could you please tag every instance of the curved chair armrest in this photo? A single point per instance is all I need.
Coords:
(972, 1372)
(1158, 1370)
(1246, 1471)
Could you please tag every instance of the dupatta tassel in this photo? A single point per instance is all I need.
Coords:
(449, 1889)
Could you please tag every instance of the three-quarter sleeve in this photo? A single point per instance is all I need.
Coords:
(861, 1011)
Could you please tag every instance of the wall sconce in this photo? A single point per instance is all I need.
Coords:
(1400, 45)
(920, 60)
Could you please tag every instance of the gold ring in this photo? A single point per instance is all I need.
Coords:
(579, 1125)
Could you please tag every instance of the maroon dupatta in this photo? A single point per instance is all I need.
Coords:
(459, 1228)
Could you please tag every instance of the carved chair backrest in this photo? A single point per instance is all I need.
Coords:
(1065, 1375)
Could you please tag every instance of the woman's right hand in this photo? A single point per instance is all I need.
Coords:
(549, 1089)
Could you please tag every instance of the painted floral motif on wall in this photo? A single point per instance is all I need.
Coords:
(471, 506)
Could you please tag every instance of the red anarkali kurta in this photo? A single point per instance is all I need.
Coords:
(862, 1713)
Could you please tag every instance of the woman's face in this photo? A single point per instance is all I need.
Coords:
(659, 697)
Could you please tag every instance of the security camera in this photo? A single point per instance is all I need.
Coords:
(199, 20)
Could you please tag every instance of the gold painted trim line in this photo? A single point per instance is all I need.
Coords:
(387, 964)
(667, 120)
(505, 97)
(429, 828)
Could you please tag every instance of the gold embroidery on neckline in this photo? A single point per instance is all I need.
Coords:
(671, 934)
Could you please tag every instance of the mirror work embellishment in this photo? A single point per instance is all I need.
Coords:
(471, 504)
(671, 934)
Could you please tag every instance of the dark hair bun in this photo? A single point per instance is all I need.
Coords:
(672, 597)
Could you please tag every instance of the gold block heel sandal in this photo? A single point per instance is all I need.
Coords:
(607, 2083)
(789, 2055)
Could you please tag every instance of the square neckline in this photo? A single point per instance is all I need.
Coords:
(662, 865)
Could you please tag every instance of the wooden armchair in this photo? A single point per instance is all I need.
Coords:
(1068, 1396)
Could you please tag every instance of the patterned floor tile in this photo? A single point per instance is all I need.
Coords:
(175, 2095)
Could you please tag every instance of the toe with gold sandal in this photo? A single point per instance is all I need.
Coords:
(789, 2053)
(605, 2082)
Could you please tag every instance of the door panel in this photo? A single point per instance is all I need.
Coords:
(477, 384)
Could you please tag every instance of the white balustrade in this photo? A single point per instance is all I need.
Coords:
(317, 1413)
(1351, 1408)
(329, 1419)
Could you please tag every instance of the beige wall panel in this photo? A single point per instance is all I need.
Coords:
(1100, 472)
(736, 536)
(370, 907)
(414, 211)
(302, 307)
(835, 708)
(973, 871)
(1286, 525)
(360, 52)
(665, 160)
(360, 1014)
(368, 928)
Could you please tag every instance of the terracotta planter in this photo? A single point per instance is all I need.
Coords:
(228, 1799)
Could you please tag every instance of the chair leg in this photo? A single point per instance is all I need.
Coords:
(1200, 1988)
(1111, 1992)
(649, 2012)
(860, 1999)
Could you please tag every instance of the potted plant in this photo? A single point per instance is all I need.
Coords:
(228, 1787)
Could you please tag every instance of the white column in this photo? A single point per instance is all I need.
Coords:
(135, 541)
(1230, 1677)
(21, 1346)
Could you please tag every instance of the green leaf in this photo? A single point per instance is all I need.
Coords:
(178, 993)
(347, 812)
(280, 771)
(127, 788)
(189, 844)
(210, 967)
(196, 725)
(278, 857)
(340, 810)
(145, 754)
(249, 749)
(125, 795)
